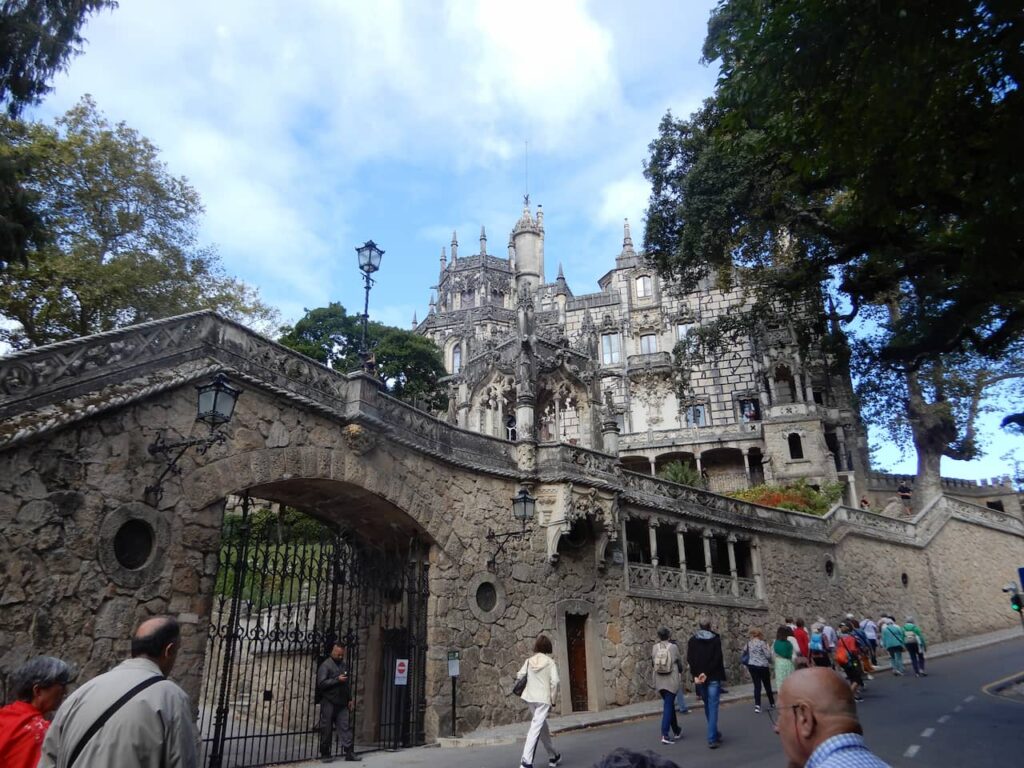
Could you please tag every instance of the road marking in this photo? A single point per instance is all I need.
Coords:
(968, 700)
(911, 750)
(958, 708)
(927, 733)
(993, 688)
(944, 719)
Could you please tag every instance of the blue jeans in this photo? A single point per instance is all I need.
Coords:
(681, 701)
(709, 693)
(667, 715)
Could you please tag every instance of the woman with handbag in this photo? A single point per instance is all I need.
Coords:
(540, 693)
(914, 641)
(757, 657)
(893, 639)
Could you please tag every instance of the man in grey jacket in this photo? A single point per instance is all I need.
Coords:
(151, 729)
(335, 692)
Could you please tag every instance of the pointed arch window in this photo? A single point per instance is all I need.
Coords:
(456, 358)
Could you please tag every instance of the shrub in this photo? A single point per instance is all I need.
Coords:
(798, 496)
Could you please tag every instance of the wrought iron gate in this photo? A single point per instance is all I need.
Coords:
(287, 587)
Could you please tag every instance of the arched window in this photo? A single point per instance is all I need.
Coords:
(796, 447)
(644, 286)
(456, 358)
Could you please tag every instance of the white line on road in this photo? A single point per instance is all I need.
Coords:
(968, 700)
(944, 719)
(927, 733)
(958, 708)
(911, 750)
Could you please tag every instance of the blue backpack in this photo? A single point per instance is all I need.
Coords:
(816, 644)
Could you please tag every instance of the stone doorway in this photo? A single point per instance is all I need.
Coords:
(576, 647)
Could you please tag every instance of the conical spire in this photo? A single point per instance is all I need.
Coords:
(444, 259)
(415, 322)
(627, 239)
(560, 275)
(455, 246)
(483, 241)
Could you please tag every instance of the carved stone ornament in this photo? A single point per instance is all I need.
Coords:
(601, 508)
(358, 439)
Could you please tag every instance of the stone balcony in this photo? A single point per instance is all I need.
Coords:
(654, 361)
(668, 438)
(667, 583)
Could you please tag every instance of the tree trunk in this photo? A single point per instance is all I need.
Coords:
(933, 430)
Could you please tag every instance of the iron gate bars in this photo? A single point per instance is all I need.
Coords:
(288, 586)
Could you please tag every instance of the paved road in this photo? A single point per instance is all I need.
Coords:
(944, 719)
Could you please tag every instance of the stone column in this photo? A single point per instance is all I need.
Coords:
(681, 543)
(707, 553)
(755, 564)
(696, 460)
(841, 441)
(654, 473)
(746, 466)
(527, 441)
(652, 533)
(610, 435)
(731, 541)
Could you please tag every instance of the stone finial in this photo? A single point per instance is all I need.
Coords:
(444, 259)
(455, 246)
(433, 304)
(511, 251)
(483, 241)
(560, 275)
(627, 238)
(540, 215)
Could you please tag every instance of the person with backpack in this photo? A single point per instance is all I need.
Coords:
(757, 657)
(914, 641)
(540, 695)
(864, 646)
(848, 659)
(667, 679)
(893, 639)
(818, 652)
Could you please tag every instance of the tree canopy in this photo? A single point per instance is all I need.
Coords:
(877, 145)
(409, 365)
(37, 39)
(872, 150)
(121, 245)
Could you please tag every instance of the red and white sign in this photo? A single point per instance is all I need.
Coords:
(401, 672)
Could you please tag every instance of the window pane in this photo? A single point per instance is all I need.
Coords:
(648, 344)
(643, 286)
(610, 348)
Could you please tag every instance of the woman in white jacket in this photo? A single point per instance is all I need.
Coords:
(541, 690)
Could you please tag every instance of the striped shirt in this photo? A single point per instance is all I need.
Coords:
(846, 750)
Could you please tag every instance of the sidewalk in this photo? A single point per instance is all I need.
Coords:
(508, 734)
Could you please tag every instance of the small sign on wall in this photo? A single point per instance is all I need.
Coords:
(453, 663)
(401, 672)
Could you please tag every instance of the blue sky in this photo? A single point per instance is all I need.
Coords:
(310, 126)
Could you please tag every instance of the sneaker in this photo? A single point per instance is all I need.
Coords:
(554, 761)
(714, 745)
(858, 699)
(667, 740)
(870, 677)
(677, 735)
(924, 674)
(757, 710)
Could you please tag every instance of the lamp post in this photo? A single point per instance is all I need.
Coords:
(523, 507)
(215, 405)
(369, 262)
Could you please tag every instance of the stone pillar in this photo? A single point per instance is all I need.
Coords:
(696, 461)
(610, 435)
(681, 543)
(653, 466)
(731, 541)
(755, 564)
(707, 552)
(746, 466)
(526, 453)
(652, 533)
(841, 442)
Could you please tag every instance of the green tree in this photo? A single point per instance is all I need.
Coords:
(410, 365)
(870, 148)
(121, 237)
(37, 39)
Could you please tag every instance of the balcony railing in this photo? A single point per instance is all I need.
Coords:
(676, 584)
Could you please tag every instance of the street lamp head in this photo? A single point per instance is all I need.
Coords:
(369, 257)
(523, 506)
(216, 401)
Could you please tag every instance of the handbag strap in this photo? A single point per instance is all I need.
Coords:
(110, 711)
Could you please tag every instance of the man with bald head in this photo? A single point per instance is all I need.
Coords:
(817, 721)
(131, 716)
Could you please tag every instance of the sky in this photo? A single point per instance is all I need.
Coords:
(311, 126)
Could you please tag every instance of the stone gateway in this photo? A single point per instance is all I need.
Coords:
(388, 491)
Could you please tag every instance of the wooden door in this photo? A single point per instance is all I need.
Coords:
(576, 645)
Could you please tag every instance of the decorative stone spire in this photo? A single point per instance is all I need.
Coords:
(561, 289)
(483, 241)
(627, 239)
(415, 322)
(511, 252)
(444, 259)
(433, 304)
(455, 246)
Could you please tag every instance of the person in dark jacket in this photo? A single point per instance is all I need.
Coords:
(704, 655)
(332, 686)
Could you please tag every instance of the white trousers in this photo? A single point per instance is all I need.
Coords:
(538, 730)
